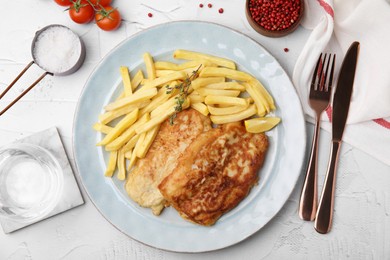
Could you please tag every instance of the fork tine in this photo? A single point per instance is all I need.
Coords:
(321, 75)
(331, 72)
(313, 81)
(324, 87)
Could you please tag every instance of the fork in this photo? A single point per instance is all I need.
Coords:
(319, 97)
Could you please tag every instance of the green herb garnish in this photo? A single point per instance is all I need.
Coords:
(181, 98)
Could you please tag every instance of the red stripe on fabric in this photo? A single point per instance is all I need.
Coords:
(326, 7)
(329, 113)
(382, 122)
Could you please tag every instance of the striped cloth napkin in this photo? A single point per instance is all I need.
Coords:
(336, 24)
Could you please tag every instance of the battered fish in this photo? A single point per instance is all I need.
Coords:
(215, 173)
(162, 157)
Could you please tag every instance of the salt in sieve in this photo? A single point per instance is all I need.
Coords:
(41, 45)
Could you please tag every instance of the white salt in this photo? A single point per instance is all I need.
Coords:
(57, 49)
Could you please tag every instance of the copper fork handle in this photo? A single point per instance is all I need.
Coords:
(324, 216)
(308, 200)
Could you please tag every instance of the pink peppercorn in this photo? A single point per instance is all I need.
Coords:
(150, 14)
(220, 10)
(275, 15)
(210, 5)
(201, 5)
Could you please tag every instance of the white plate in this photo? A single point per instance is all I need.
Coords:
(277, 177)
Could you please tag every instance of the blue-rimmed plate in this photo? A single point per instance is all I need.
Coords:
(169, 231)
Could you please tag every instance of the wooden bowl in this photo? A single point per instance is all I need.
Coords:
(260, 29)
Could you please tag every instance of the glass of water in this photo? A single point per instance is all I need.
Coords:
(31, 182)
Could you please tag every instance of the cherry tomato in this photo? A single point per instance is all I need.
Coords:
(64, 2)
(81, 12)
(101, 2)
(108, 18)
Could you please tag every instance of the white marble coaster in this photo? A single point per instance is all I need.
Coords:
(71, 196)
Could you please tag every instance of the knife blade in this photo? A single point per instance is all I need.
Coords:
(341, 101)
(343, 93)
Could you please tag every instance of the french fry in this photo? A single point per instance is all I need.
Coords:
(218, 92)
(177, 75)
(196, 98)
(166, 65)
(257, 86)
(137, 79)
(160, 117)
(233, 85)
(155, 121)
(191, 55)
(188, 71)
(222, 100)
(220, 111)
(147, 142)
(121, 162)
(134, 82)
(225, 72)
(201, 108)
(138, 96)
(118, 142)
(261, 103)
(171, 102)
(250, 111)
(127, 121)
(134, 157)
(162, 73)
(132, 161)
(250, 100)
(139, 142)
(131, 143)
(190, 90)
(128, 90)
(159, 99)
(163, 65)
(201, 82)
(191, 71)
(167, 89)
(111, 164)
(105, 129)
(149, 65)
(113, 114)
(128, 154)
(146, 81)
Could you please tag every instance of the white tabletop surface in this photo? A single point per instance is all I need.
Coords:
(361, 228)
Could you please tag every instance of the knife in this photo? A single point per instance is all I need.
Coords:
(341, 101)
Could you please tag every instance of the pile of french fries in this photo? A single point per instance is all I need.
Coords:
(219, 91)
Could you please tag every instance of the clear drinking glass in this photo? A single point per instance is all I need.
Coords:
(31, 182)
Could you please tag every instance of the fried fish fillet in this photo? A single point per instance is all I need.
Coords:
(215, 173)
(162, 157)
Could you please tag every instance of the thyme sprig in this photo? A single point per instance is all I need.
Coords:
(183, 88)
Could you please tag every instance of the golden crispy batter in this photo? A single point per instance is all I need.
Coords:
(170, 142)
(215, 173)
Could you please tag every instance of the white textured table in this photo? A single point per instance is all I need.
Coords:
(361, 227)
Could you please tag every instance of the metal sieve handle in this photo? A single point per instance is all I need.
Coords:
(24, 92)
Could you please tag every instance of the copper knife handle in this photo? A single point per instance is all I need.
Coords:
(324, 216)
(308, 200)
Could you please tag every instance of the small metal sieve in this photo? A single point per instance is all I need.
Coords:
(48, 71)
